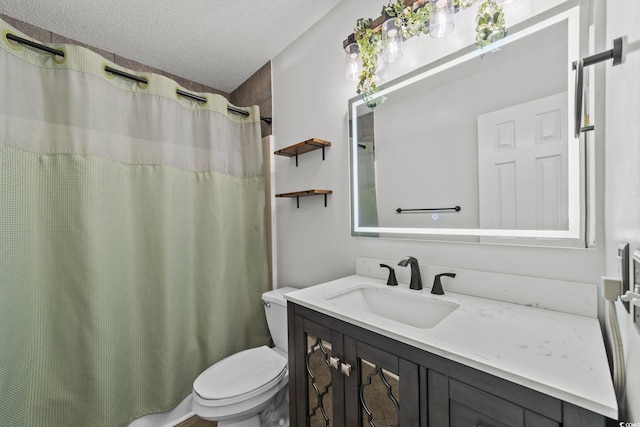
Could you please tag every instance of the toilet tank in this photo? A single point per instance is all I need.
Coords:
(275, 308)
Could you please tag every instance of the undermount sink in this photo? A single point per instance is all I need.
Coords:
(419, 311)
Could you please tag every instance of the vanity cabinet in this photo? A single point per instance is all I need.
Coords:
(339, 380)
(342, 375)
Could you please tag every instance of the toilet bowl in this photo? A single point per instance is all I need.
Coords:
(243, 388)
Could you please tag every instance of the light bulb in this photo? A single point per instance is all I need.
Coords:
(441, 18)
(353, 63)
(391, 41)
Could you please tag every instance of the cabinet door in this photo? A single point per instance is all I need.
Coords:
(381, 390)
(468, 402)
(317, 391)
(455, 404)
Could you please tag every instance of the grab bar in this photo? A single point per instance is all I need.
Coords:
(453, 209)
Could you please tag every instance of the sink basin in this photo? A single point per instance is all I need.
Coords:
(420, 311)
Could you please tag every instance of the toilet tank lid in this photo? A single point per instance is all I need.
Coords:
(277, 295)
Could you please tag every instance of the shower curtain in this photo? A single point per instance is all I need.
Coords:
(133, 250)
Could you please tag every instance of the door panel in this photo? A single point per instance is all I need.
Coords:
(523, 166)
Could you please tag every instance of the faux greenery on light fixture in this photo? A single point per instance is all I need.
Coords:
(490, 23)
(370, 45)
(490, 27)
(412, 22)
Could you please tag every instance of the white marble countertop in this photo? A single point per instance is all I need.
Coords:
(562, 355)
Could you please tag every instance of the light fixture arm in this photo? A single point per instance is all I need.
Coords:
(614, 53)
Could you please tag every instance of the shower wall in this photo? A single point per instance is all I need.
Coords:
(256, 90)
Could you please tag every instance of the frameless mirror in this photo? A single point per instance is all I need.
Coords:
(476, 148)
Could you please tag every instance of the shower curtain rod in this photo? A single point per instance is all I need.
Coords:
(230, 108)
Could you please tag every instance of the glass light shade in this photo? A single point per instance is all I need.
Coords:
(391, 41)
(353, 62)
(441, 18)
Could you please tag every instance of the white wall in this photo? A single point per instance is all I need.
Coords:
(310, 96)
(622, 190)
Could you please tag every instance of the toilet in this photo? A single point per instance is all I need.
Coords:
(249, 388)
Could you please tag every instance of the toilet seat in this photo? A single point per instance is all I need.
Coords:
(240, 376)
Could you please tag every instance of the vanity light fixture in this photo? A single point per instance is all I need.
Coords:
(391, 41)
(441, 18)
(404, 19)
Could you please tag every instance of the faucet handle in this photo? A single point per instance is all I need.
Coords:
(391, 281)
(437, 284)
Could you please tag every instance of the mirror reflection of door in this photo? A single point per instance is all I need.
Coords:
(522, 164)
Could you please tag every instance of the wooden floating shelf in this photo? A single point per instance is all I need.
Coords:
(303, 147)
(305, 193)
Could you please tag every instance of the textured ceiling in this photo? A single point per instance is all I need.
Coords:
(214, 42)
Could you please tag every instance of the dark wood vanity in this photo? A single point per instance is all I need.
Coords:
(335, 365)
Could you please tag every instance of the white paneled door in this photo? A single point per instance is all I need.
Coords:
(522, 166)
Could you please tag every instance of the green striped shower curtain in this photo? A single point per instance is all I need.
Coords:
(132, 251)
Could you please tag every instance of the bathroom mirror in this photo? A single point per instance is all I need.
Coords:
(477, 147)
